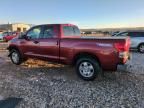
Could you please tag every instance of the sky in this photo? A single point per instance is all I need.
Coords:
(84, 13)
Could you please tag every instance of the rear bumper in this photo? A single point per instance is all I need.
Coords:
(121, 60)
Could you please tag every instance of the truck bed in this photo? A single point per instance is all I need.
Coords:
(95, 37)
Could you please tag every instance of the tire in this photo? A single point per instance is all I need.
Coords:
(87, 68)
(15, 57)
(141, 48)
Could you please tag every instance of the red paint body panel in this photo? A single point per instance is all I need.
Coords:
(108, 57)
(64, 49)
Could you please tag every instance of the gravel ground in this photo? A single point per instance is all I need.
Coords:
(45, 85)
(3, 45)
(136, 65)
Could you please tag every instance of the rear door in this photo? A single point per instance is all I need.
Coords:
(49, 43)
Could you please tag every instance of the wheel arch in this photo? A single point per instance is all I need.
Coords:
(10, 48)
(13, 47)
(140, 44)
(85, 54)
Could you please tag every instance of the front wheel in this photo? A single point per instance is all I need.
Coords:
(141, 48)
(87, 68)
(15, 57)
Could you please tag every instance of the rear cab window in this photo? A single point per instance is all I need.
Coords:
(69, 31)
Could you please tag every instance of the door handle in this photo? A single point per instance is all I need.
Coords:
(36, 42)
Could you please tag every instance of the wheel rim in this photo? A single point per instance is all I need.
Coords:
(86, 69)
(15, 57)
(142, 48)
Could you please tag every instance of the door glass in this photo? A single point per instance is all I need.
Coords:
(48, 32)
(34, 33)
(134, 34)
(142, 34)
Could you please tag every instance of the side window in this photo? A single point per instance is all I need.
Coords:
(76, 31)
(139, 34)
(135, 34)
(142, 34)
(48, 32)
(68, 31)
(34, 33)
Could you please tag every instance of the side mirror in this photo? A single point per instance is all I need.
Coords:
(28, 38)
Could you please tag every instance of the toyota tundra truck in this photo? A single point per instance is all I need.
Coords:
(63, 43)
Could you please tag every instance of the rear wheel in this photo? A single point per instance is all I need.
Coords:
(87, 68)
(15, 57)
(141, 48)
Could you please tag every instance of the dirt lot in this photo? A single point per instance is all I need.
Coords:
(45, 85)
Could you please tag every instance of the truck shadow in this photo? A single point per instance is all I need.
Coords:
(40, 68)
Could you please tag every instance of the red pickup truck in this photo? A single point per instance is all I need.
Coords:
(62, 43)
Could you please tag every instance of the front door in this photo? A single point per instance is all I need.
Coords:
(30, 46)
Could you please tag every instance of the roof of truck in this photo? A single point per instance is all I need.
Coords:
(68, 24)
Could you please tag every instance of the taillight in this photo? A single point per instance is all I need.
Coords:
(128, 43)
(123, 46)
(123, 50)
(120, 47)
